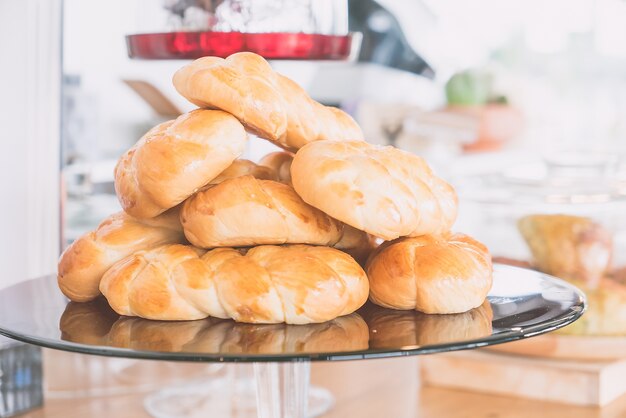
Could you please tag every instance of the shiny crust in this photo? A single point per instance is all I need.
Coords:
(175, 159)
(296, 284)
(246, 211)
(268, 103)
(445, 274)
(384, 191)
(83, 263)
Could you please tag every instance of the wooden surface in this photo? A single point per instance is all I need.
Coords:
(371, 388)
(567, 347)
(568, 381)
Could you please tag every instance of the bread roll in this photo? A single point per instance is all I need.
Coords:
(384, 191)
(176, 158)
(280, 162)
(83, 263)
(571, 247)
(245, 211)
(268, 104)
(445, 274)
(296, 284)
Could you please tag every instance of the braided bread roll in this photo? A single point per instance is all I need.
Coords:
(280, 162)
(451, 273)
(83, 263)
(295, 284)
(384, 191)
(246, 211)
(268, 103)
(175, 159)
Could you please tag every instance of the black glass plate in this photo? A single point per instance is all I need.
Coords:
(521, 304)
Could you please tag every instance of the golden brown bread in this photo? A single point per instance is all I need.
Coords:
(450, 273)
(266, 102)
(571, 247)
(280, 162)
(384, 191)
(175, 159)
(83, 263)
(246, 211)
(295, 284)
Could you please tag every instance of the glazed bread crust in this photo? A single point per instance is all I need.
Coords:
(384, 191)
(246, 211)
(175, 159)
(451, 273)
(296, 284)
(83, 263)
(268, 103)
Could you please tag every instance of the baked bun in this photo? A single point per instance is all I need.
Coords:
(245, 211)
(384, 191)
(445, 274)
(357, 243)
(296, 284)
(268, 103)
(280, 162)
(83, 263)
(175, 159)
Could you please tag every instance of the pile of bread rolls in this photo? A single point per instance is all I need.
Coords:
(293, 239)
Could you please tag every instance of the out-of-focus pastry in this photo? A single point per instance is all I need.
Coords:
(606, 313)
(449, 273)
(246, 211)
(83, 263)
(175, 159)
(296, 284)
(269, 104)
(571, 247)
(383, 191)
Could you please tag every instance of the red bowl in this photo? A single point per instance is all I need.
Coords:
(275, 46)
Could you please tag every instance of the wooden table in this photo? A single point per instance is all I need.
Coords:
(371, 388)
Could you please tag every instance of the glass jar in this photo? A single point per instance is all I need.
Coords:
(275, 29)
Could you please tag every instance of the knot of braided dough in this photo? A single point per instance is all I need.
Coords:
(176, 158)
(83, 263)
(295, 284)
(384, 191)
(451, 273)
(246, 211)
(268, 103)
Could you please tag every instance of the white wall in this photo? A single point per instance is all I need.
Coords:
(29, 117)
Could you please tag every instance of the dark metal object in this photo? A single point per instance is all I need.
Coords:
(21, 387)
(383, 39)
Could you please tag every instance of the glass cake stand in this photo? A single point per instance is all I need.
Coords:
(521, 304)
